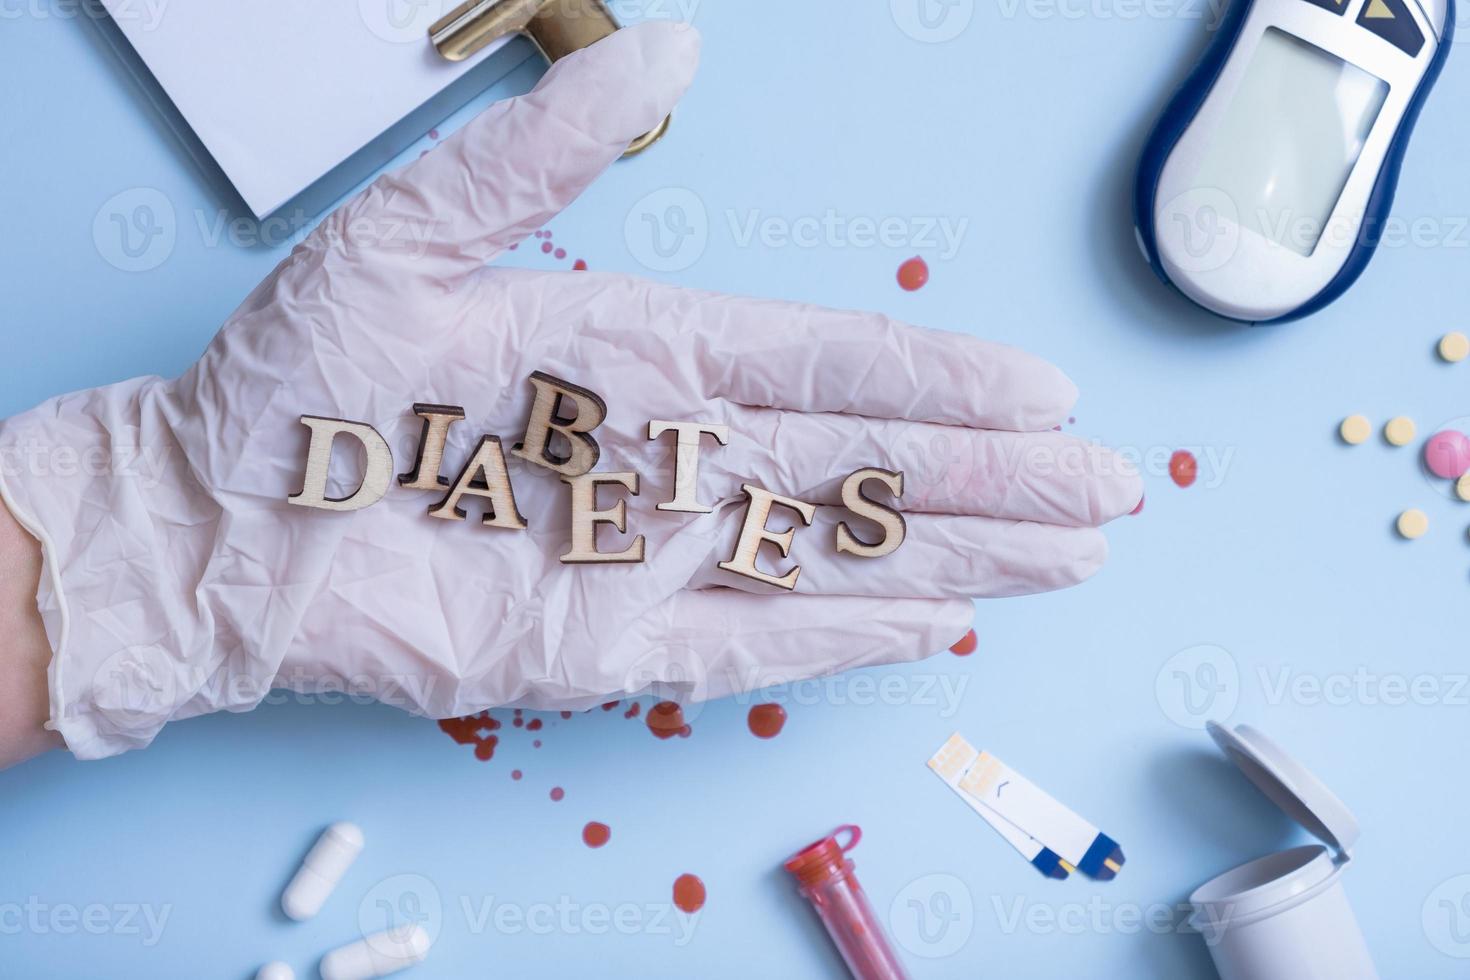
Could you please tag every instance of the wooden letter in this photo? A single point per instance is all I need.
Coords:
(686, 461)
(586, 517)
(425, 473)
(547, 420)
(483, 476)
(375, 477)
(892, 522)
(754, 532)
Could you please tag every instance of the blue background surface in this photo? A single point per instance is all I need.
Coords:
(1025, 125)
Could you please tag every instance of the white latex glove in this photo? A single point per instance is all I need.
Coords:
(183, 582)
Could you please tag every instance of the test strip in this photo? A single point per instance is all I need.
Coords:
(951, 763)
(1014, 797)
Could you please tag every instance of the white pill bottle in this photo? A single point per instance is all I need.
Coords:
(1284, 916)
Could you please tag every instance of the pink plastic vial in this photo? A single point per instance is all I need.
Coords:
(825, 877)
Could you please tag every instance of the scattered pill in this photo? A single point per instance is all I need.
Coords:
(1413, 523)
(1462, 488)
(1399, 431)
(1355, 430)
(377, 955)
(1454, 346)
(1447, 454)
(275, 971)
(326, 862)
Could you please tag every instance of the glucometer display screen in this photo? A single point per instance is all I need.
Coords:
(1290, 137)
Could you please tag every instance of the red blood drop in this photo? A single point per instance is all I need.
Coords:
(546, 247)
(1183, 468)
(1139, 508)
(557, 793)
(579, 266)
(536, 744)
(766, 720)
(517, 722)
(666, 719)
(477, 730)
(561, 253)
(433, 134)
(966, 645)
(611, 705)
(596, 834)
(566, 714)
(633, 710)
(534, 725)
(689, 894)
(913, 274)
(515, 774)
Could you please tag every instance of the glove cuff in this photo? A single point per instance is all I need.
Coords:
(98, 478)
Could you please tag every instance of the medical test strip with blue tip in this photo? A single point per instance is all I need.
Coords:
(951, 763)
(1023, 803)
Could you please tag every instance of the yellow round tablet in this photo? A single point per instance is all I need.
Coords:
(1462, 488)
(1413, 523)
(1399, 431)
(1355, 430)
(1454, 346)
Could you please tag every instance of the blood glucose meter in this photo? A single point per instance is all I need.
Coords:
(1264, 187)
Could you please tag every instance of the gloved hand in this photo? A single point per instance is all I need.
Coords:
(183, 582)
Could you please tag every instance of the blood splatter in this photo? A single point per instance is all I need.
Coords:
(1183, 468)
(611, 705)
(515, 774)
(557, 794)
(536, 744)
(633, 710)
(689, 893)
(579, 266)
(561, 253)
(913, 274)
(477, 730)
(433, 134)
(666, 719)
(596, 834)
(766, 720)
(966, 645)
(566, 714)
(546, 248)
(534, 725)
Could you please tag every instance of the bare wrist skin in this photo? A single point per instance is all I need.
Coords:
(24, 651)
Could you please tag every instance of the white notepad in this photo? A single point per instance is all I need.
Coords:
(298, 100)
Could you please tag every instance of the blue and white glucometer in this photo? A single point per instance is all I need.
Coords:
(1264, 187)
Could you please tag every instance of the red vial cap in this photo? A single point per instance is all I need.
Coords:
(826, 859)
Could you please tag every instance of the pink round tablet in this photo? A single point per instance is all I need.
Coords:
(1447, 454)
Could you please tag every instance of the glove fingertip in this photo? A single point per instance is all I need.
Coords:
(626, 84)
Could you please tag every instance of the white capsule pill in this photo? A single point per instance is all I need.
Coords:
(325, 864)
(377, 955)
(275, 971)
